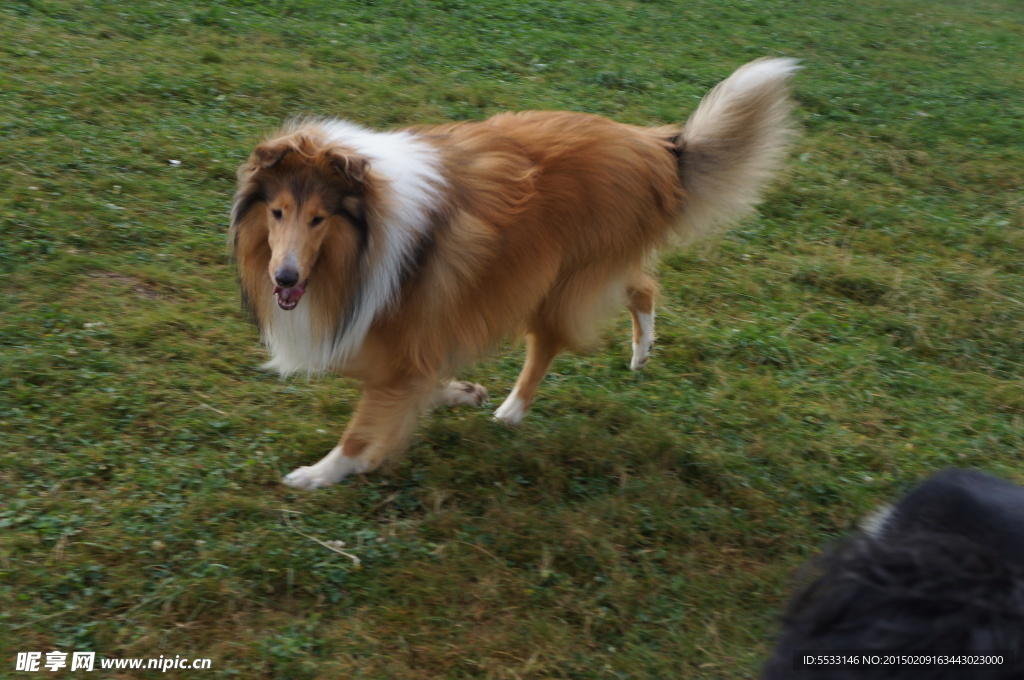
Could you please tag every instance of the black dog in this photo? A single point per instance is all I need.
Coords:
(941, 573)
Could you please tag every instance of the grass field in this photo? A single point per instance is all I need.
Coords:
(865, 329)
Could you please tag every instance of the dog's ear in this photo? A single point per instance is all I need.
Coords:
(349, 165)
(249, 194)
(269, 154)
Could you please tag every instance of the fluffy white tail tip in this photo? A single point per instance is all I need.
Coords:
(763, 70)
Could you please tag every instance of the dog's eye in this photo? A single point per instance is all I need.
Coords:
(316, 220)
(276, 213)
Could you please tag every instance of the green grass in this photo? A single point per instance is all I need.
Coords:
(864, 330)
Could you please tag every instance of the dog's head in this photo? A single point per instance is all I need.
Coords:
(299, 198)
(942, 571)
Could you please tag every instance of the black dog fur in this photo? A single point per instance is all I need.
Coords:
(943, 572)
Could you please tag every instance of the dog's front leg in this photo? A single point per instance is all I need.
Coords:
(381, 427)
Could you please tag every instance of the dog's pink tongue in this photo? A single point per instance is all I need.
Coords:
(287, 298)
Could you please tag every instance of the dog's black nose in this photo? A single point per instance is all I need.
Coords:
(286, 277)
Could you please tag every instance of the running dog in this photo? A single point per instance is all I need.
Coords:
(398, 257)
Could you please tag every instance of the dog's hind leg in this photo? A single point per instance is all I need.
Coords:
(541, 350)
(382, 425)
(459, 393)
(641, 307)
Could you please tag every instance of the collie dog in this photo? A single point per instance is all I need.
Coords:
(398, 257)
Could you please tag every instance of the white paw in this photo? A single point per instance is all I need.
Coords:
(331, 469)
(644, 323)
(308, 477)
(641, 355)
(459, 393)
(512, 410)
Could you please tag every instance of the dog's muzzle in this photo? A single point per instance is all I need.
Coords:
(288, 298)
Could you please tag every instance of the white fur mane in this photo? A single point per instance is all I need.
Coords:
(411, 169)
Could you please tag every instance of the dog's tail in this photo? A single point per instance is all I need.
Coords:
(733, 142)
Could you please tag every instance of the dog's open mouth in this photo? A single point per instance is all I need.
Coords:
(288, 298)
